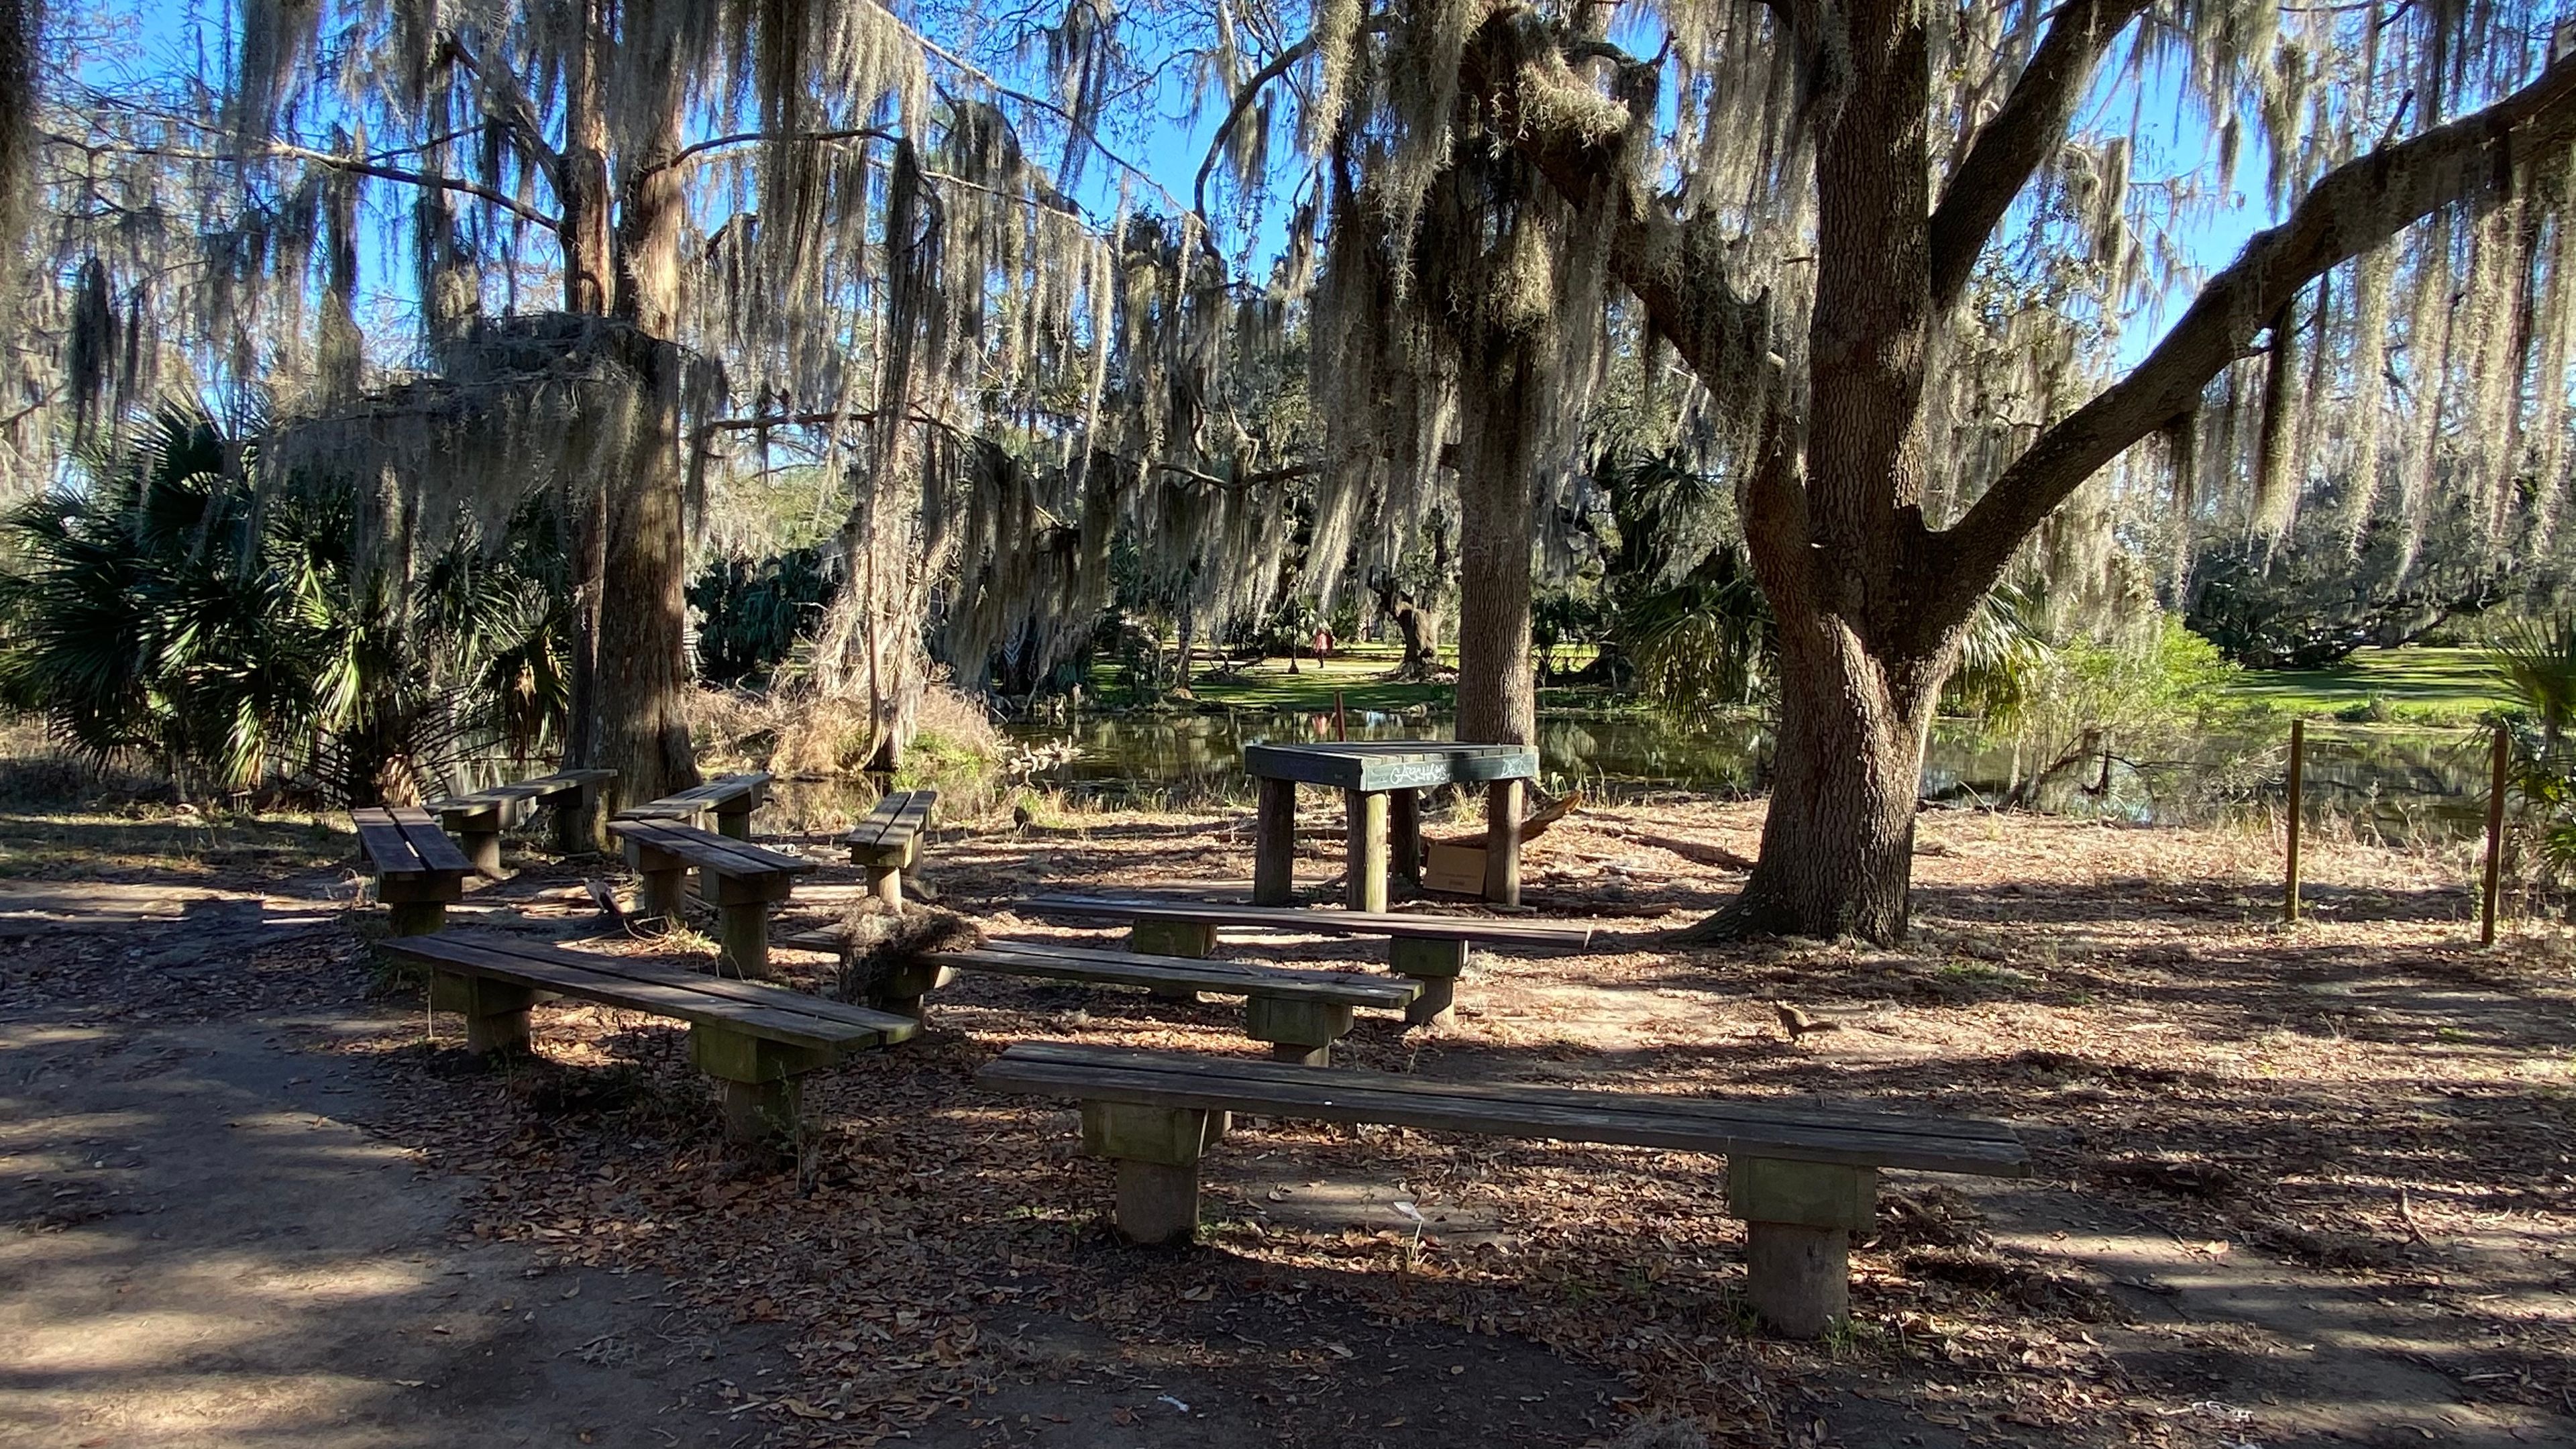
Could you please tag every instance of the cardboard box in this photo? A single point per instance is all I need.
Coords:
(1458, 869)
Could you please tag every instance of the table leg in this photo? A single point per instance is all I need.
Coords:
(1503, 842)
(1274, 844)
(1404, 834)
(1365, 856)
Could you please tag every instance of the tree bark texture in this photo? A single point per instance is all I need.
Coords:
(1497, 698)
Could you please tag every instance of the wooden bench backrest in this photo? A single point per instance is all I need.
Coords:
(1746, 1127)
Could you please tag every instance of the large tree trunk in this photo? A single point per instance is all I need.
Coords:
(640, 680)
(1497, 698)
(1838, 842)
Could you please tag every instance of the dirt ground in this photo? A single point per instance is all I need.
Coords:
(2295, 1187)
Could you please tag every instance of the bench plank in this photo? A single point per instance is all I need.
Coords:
(756, 1010)
(403, 840)
(1285, 918)
(1225, 978)
(1731, 1129)
(698, 799)
(721, 854)
(895, 819)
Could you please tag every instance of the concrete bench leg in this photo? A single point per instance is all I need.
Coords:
(1436, 966)
(495, 1012)
(416, 918)
(1194, 939)
(902, 991)
(1798, 1222)
(579, 821)
(758, 1079)
(664, 890)
(1298, 1031)
(743, 944)
(1157, 1150)
(483, 847)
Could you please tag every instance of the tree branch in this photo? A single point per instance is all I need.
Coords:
(1243, 102)
(739, 138)
(2352, 209)
(2029, 127)
(283, 151)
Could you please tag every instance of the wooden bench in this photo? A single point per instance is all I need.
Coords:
(745, 879)
(1431, 949)
(1300, 1012)
(757, 1040)
(477, 819)
(418, 869)
(888, 841)
(732, 798)
(1803, 1178)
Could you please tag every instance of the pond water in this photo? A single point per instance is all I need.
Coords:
(2405, 783)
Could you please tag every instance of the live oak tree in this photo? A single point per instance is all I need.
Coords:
(650, 239)
(1802, 198)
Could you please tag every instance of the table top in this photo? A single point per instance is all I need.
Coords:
(1372, 765)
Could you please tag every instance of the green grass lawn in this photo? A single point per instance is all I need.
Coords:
(2415, 685)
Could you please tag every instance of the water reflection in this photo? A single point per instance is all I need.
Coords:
(2403, 784)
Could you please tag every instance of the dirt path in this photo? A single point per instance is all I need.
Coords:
(208, 1251)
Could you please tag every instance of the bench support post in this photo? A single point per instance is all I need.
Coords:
(1404, 834)
(759, 1079)
(1436, 965)
(495, 1012)
(1157, 1150)
(743, 939)
(1364, 855)
(883, 866)
(1274, 844)
(1798, 1222)
(580, 814)
(1194, 939)
(901, 990)
(416, 918)
(663, 892)
(1503, 842)
(734, 823)
(1298, 1031)
(483, 847)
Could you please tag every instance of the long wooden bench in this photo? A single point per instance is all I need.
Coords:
(1299, 1012)
(418, 869)
(732, 799)
(477, 819)
(1431, 949)
(888, 841)
(756, 1040)
(1803, 1178)
(744, 878)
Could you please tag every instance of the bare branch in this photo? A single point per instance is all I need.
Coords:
(1242, 102)
(2028, 129)
(698, 149)
(355, 165)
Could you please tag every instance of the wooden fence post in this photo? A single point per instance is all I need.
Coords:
(2298, 762)
(1341, 722)
(2495, 837)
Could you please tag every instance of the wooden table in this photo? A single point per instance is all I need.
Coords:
(1381, 785)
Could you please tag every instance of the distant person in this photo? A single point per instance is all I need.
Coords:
(1323, 643)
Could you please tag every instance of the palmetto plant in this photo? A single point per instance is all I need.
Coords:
(176, 605)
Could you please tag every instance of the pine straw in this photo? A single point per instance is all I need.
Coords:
(2371, 1098)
